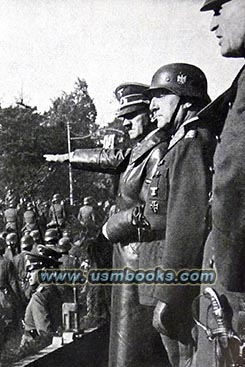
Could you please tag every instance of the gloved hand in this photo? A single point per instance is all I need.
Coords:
(138, 218)
(56, 157)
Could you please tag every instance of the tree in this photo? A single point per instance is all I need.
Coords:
(21, 148)
(79, 110)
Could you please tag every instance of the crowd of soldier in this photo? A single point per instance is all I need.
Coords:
(43, 241)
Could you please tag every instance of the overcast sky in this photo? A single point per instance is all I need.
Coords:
(46, 44)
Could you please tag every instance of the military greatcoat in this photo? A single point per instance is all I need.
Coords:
(178, 195)
(133, 341)
(224, 249)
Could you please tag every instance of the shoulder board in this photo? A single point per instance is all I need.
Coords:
(182, 132)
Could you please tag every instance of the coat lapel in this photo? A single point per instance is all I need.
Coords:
(147, 144)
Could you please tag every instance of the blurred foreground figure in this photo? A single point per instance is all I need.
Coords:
(224, 250)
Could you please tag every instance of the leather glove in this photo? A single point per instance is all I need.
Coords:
(138, 218)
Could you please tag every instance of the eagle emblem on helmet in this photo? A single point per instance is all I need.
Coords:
(181, 79)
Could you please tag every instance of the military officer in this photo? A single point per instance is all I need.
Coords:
(133, 341)
(224, 248)
(43, 313)
(178, 199)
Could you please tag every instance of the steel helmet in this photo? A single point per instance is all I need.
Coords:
(184, 80)
(35, 235)
(26, 242)
(55, 197)
(87, 200)
(12, 237)
(64, 245)
(51, 235)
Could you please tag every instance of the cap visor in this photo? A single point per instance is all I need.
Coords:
(211, 5)
(133, 108)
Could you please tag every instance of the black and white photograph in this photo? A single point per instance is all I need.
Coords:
(122, 183)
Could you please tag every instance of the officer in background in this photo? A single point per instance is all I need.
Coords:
(43, 313)
(133, 341)
(178, 198)
(224, 248)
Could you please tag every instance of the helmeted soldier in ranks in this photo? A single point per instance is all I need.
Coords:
(43, 313)
(29, 218)
(87, 217)
(224, 248)
(133, 341)
(177, 202)
(26, 244)
(68, 262)
(11, 217)
(57, 212)
(63, 247)
(43, 211)
(35, 234)
(11, 246)
(51, 237)
(10, 295)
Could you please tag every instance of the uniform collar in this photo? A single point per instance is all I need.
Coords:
(149, 142)
(181, 132)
